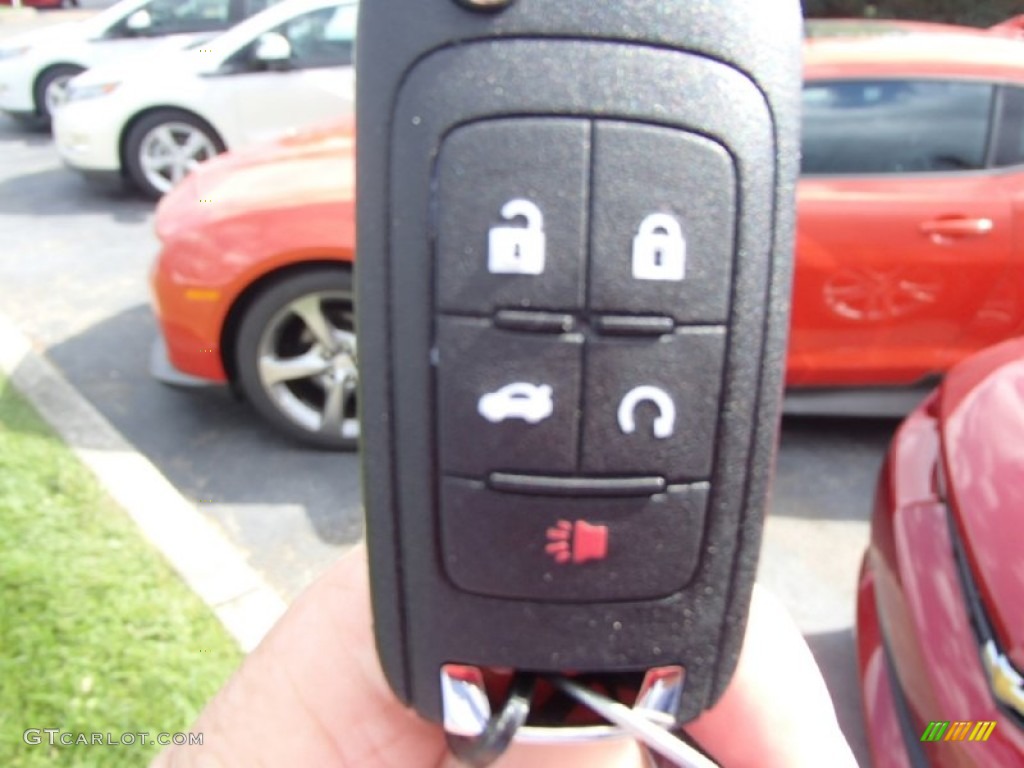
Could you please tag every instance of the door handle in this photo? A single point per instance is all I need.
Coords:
(957, 227)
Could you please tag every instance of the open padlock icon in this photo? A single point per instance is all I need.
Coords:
(517, 250)
(659, 249)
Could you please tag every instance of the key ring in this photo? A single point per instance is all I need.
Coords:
(649, 734)
(482, 750)
(661, 747)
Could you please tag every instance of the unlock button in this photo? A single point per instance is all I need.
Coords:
(512, 197)
(517, 250)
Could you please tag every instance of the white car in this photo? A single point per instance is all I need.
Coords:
(36, 66)
(154, 121)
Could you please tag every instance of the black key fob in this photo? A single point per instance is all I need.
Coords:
(575, 235)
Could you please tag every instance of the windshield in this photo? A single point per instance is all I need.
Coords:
(110, 16)
(244, 33)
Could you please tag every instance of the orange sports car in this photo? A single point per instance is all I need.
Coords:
(910, 250)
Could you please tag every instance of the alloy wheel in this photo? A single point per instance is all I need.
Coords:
(56, 93)
(307, 363)
(169, 151)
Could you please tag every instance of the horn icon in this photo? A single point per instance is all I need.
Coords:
(577, 542)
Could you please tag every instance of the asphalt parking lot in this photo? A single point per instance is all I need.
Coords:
(74, 263)
(73, 276)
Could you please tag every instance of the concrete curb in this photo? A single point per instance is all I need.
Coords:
(208, 562)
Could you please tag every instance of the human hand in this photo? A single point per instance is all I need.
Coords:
(313, 694)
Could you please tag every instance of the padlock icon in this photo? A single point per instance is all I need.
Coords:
(517, 250)
(659, 249)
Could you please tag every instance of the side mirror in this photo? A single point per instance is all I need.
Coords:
(273, 50)
(139, 22)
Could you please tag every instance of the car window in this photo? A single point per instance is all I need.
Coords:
(255, 6)
(1010, 149)
(322, 38)
(895, 126)
(176, 16)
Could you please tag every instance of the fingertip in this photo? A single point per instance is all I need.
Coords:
(777, 700)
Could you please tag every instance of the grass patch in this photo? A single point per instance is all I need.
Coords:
(97, 633)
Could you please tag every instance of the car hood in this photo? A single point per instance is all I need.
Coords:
(51, 35)
(982, 423)
(164, 60)
(306, 167)
(1013, 27)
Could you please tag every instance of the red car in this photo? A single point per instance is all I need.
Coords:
(910, 247)
(911, 205)
(254, 283)
(1013, 27)
(940, 606)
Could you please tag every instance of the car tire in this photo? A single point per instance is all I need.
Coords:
(51, 89)
(296, 361)
(149, 157)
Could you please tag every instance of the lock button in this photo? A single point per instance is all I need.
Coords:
(663, 226)
(659, 250)
(512, 198)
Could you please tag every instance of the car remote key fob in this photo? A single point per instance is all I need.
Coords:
(575, 226)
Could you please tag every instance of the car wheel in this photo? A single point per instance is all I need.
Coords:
(296, 358)
(163, 147)
(51, 89)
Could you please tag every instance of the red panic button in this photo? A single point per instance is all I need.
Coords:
(572, 548)
(577, 542)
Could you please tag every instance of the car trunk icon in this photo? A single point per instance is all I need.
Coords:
(530, 402)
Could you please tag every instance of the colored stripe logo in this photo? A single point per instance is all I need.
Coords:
(944, 730)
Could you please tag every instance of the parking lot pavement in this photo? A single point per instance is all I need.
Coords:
(74, 263)
(816, 533)
(73, 271)
(292, 509)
